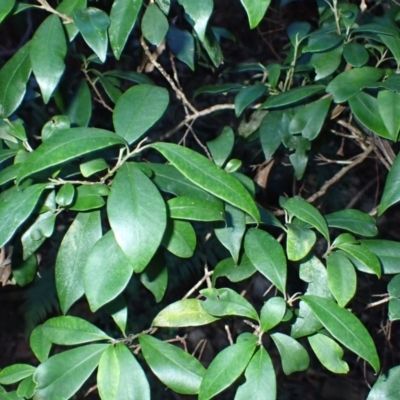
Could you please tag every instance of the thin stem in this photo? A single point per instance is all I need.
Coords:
(44, 5)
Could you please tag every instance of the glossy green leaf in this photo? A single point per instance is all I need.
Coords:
(269, 130)
(155, 277)
(224, 302)
(329, 353)
(342, 278)
(387, 387)
(366, 109)
(255, 10)
(106, 272)
(154, 24)
(307, 213)
(138, 109)
(310, 119)
(5, 8)
(326, 63)
(57, 124)
(16, 205)
(117, 366)
(68, 7)
(209, 177)
(348, 83)
(190, 208)
(135, 202)
(294, 356)
(182, 45)
(48, 49)
(353, 221)
(260, 378)
(65, 195)
(92, 24)
(226, 367)
(123, 16)
(83, 233)
(221, 147)
(388, 104)
(272, 313)
(292, 96)
(299, 241)
(247, 96)
(182, 313)
(39, 343)
(391, 191)
(322, 41)
(13, 78)
(267, 255)
(344, 327)
(177, 369)
(234, 272)
(92, 167)
(61, 376)
(199, 13)
(180, 238)
(355, 54)
(80, 109)
(89, 197)
(67, 146)
(15, 373)
(212, 47)
(388, 253)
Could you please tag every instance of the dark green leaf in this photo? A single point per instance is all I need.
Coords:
(388, 104)
(89, 197)
(68, 7)
(182, 45)
(155, 277)
(191, 208)
(154, 24)
(65, 195)
(247, 96)
(391, 191)
(326, 63)
(57, 124)
(221, 88)
(24, 271)
(322, 41)
(180, 238)
(269, 130)
(222, 146)
(355, 54)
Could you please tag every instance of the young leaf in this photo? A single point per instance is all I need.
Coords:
(13, 78)
(14, 373)
(226, 367)
(16, 205)
(138, 109)
(188, 312)
(106, 272)
(194, 209)
(255, 10)
(299, 241)
(224, 302)
(391, 191)
(154, 24)
(68, 330)
(61, 376)
(48, 49)
(128, 207)
(83, 233)
(39, 343)
(123, 17)
(209, 177)
(92, 24)
(177, 369)
(180, 238)
(294, 356)
(117, 366)
(222, 146)
(329, 353)
(388, 253)
(260, 378)
(267, 255)
(272, 313)
(387, 386)
(344, 327)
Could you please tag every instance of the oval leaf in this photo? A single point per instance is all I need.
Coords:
(272, 313)
(391, 192)
(195, 209)
(180, 238)
(15, 373)
(154, 24)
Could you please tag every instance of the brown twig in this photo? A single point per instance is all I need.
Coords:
(98, 97)
(228, 334)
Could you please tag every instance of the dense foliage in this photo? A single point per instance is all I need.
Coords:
(115, 187)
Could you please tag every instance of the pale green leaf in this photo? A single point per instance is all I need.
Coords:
(14, 373)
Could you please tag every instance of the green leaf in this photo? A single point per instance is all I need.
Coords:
(5, 8)
(14, 373)
(222, 146)
(65, 195)
(292, 96)
(392, 42)
(353, 221)
(322, 41)
(270, 132)
(92, 167)
(326, 63)
(80, 109)
(16, 205)
(118, 311)
(226, 367)
(128, 212)
(132, 76)
(255, 10)
(117, 366)
(180, 238)
(154, 24)
(307, 213)
(394, 309)
(234, 272)
(388, 103)
(366, 109)
(26, 388)
(66, 146)
(391, 191)
(272, 313)
(194, 209)
(106, 272)
(83, 233)
(247, 96)
(155, 277)
(13, 78)
(92, 24)
(110, 86)
(394, 286)
(260, 378)
(348, 83)
(294, 356)
(297, 31)
(123, 17)
(57, 124)
(267, 255)
(342, 278)
(68, 330)
(89, 197)
(39, 343)
(177, 369)
(212, 47)
(387, 387)
(68, 7)
(344, 327)
(183, 313)
(60, 376)
(182, 45)
(209, 177)
(138, 109)
(355, 54)
(24, 271)
(299, 241)
(329, 353)
(48, 49)
(224, 302)
(199, 12)
(388, 253)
